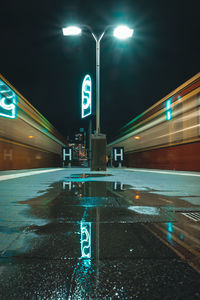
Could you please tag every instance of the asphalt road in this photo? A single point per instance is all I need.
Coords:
(120, 234)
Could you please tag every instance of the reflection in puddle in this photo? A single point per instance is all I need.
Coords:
(86, 240)
(118, 186)
(170, 227)
(146, 210)
(102, 229)
(169, 232)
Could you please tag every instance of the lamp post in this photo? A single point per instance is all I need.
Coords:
(98, 40)
(121, 32)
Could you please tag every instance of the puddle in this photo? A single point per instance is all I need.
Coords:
(71, 207)
(74, 211)
(68, 200)
(104, 238)
(145, 210)
(68, 205)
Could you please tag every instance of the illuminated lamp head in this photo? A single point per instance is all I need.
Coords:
(123, 32)
(72, 30)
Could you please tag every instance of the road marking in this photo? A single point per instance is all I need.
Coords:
(24, 174)
(169, 201)
(163, 172)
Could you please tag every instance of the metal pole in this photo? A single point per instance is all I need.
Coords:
(97, 86)
(98, 40)
(97, 245)
(98, 159)
(90, 142)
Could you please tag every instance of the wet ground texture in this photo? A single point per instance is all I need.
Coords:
(83, 239)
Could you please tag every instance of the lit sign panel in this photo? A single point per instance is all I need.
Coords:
(67, 153)
(168, 109)
(85, 240)
(8, 100)
(86, 108)
(118, 154)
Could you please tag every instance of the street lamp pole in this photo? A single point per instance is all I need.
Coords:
(121, 32)
(98, 40)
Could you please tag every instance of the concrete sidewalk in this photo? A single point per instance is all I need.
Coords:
(120, 234)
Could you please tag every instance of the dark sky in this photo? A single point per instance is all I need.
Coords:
(48, 68)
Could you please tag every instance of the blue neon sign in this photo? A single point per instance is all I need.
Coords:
(8, 100)
(170, 227)
(168, 109)
(86, 240)
(86, 108)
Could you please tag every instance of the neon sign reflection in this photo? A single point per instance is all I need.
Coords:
(170, 232)
(86, 240)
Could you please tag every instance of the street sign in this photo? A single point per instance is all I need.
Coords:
(67, 154)
(118, 154)
(86, 108)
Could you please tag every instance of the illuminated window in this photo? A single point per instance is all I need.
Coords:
(8, 100)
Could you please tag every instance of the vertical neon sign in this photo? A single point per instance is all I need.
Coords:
(8, 100)
(86, 240)
(168, 109)
(86, 108)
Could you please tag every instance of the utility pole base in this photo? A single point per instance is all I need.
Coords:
(98, 162)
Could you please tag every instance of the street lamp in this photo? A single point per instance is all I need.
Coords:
(72, 30)
(121, 32)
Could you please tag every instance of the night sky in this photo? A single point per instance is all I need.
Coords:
(48, 68)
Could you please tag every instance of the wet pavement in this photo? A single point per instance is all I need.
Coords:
(113, 235)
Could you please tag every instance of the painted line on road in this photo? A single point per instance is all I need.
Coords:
(18, 175)
(166, 200)
(163, 172)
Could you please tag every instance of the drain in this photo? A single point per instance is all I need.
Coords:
(86, 175)
(195, 216)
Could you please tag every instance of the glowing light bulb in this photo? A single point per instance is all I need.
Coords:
(123, 32)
